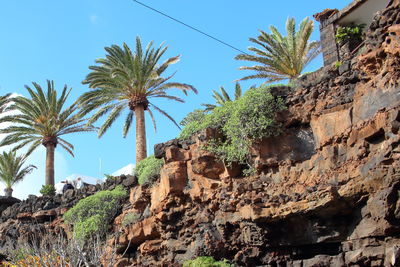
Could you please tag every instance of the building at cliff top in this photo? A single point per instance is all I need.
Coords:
(358, 12)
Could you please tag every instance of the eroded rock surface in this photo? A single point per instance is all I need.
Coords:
(327, 189)
(326, 192)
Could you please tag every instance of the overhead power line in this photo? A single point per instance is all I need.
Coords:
(188, 26)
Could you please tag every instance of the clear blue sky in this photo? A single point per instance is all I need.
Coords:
(58, 40)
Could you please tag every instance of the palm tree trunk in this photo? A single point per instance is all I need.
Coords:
(50, 164)
(141, 152)
(8, 192)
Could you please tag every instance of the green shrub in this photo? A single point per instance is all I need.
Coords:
(148, 168)
(216, 119)
(194, 116)
(242, 122)
(352, 32)
(48, 190)
(130, 218)
(92, 215)
(206, 262)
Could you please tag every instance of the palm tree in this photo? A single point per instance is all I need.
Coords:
(126, 79)
(282, 57)
(42, 121)
(11, 171)
(4, 103)
(223, 97)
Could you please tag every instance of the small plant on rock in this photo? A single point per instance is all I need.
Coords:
(48, 190)
(148, 168)
(205, 261)
(338, 64)
(347, 33)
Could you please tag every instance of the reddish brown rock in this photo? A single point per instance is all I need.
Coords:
(326, 192)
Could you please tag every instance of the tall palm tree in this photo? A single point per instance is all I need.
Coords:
(4, 103)
(126, 79)
(11, 170)
(223, 97)
(42, 121)
(282, 57)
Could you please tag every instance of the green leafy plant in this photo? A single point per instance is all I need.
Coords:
(215, 119)
(91, 215)
(12, 170)
(148, 168)
(338, 64)
(129, 219)
(43, 119)
(48, 190)
(194, 116)
(5, 103)
(241, 122)
(205, 261)
(223, 97)
(352, 32)
(129, 80)
(280, 57)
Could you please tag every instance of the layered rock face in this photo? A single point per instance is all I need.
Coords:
(326, 192)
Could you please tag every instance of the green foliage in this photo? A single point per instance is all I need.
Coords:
(352, 32)
(205, 261)
(194, 116)
(91, 215)
(125, 79)
(221, 98)
(243, 121)
(129, 219)
(11, 170)
(42, 118)
(5, 103)
(48, 190)
(278, 57)
(338, 64)
(148, 168)
(215, 119)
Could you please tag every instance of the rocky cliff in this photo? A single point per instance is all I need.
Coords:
(326, 192)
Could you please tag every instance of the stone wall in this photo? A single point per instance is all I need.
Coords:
(326, 192)
(329, 21)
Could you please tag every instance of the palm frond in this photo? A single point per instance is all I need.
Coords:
(42, 115)
(281, 57)
(128, 77)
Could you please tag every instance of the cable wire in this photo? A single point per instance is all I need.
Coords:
(190, 27)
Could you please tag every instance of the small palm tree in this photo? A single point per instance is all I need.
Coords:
(4, 103)
(42, 121)
(127, 80)
(11, 170)
(282, 57)
(223, 97)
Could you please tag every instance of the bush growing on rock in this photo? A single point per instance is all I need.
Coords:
(196, 115)
(248, 119)
(48, 190)
(148, 168)
(205, 261)
(92, 215)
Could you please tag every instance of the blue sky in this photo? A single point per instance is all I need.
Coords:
(58, 40)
